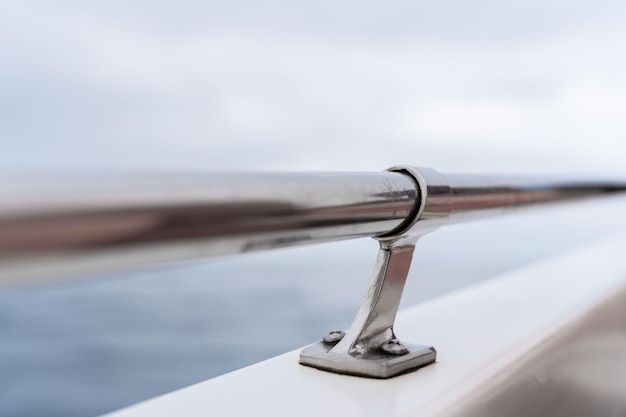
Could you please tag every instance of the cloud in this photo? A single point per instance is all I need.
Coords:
(107, 87)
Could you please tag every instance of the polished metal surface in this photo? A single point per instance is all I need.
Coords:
(454, 198)
(53, 227)
(58, 226)
(370, 348)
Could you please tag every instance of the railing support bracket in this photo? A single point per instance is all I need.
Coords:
(370, 347)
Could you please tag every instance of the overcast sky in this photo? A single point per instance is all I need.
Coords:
(282, 85)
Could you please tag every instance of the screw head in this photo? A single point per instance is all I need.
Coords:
(394, 347)
(332, 338)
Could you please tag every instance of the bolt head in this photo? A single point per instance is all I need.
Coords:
(394, 347)
(332, 338)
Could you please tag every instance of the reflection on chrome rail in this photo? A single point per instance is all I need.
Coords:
(51, 227)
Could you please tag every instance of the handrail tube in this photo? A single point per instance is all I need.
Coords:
(59, 226)
(52, 227)
(455, 198)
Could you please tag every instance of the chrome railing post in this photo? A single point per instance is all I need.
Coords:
(370, 347)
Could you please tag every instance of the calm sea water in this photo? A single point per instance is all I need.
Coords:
(87, 346)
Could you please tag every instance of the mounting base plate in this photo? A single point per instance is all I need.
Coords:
(372, 364)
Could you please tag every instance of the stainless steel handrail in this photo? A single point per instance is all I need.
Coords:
(59, 226)
(51, 227)
(454, 198)
(370, 347)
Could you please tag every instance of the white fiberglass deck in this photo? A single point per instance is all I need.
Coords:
(548, 339)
